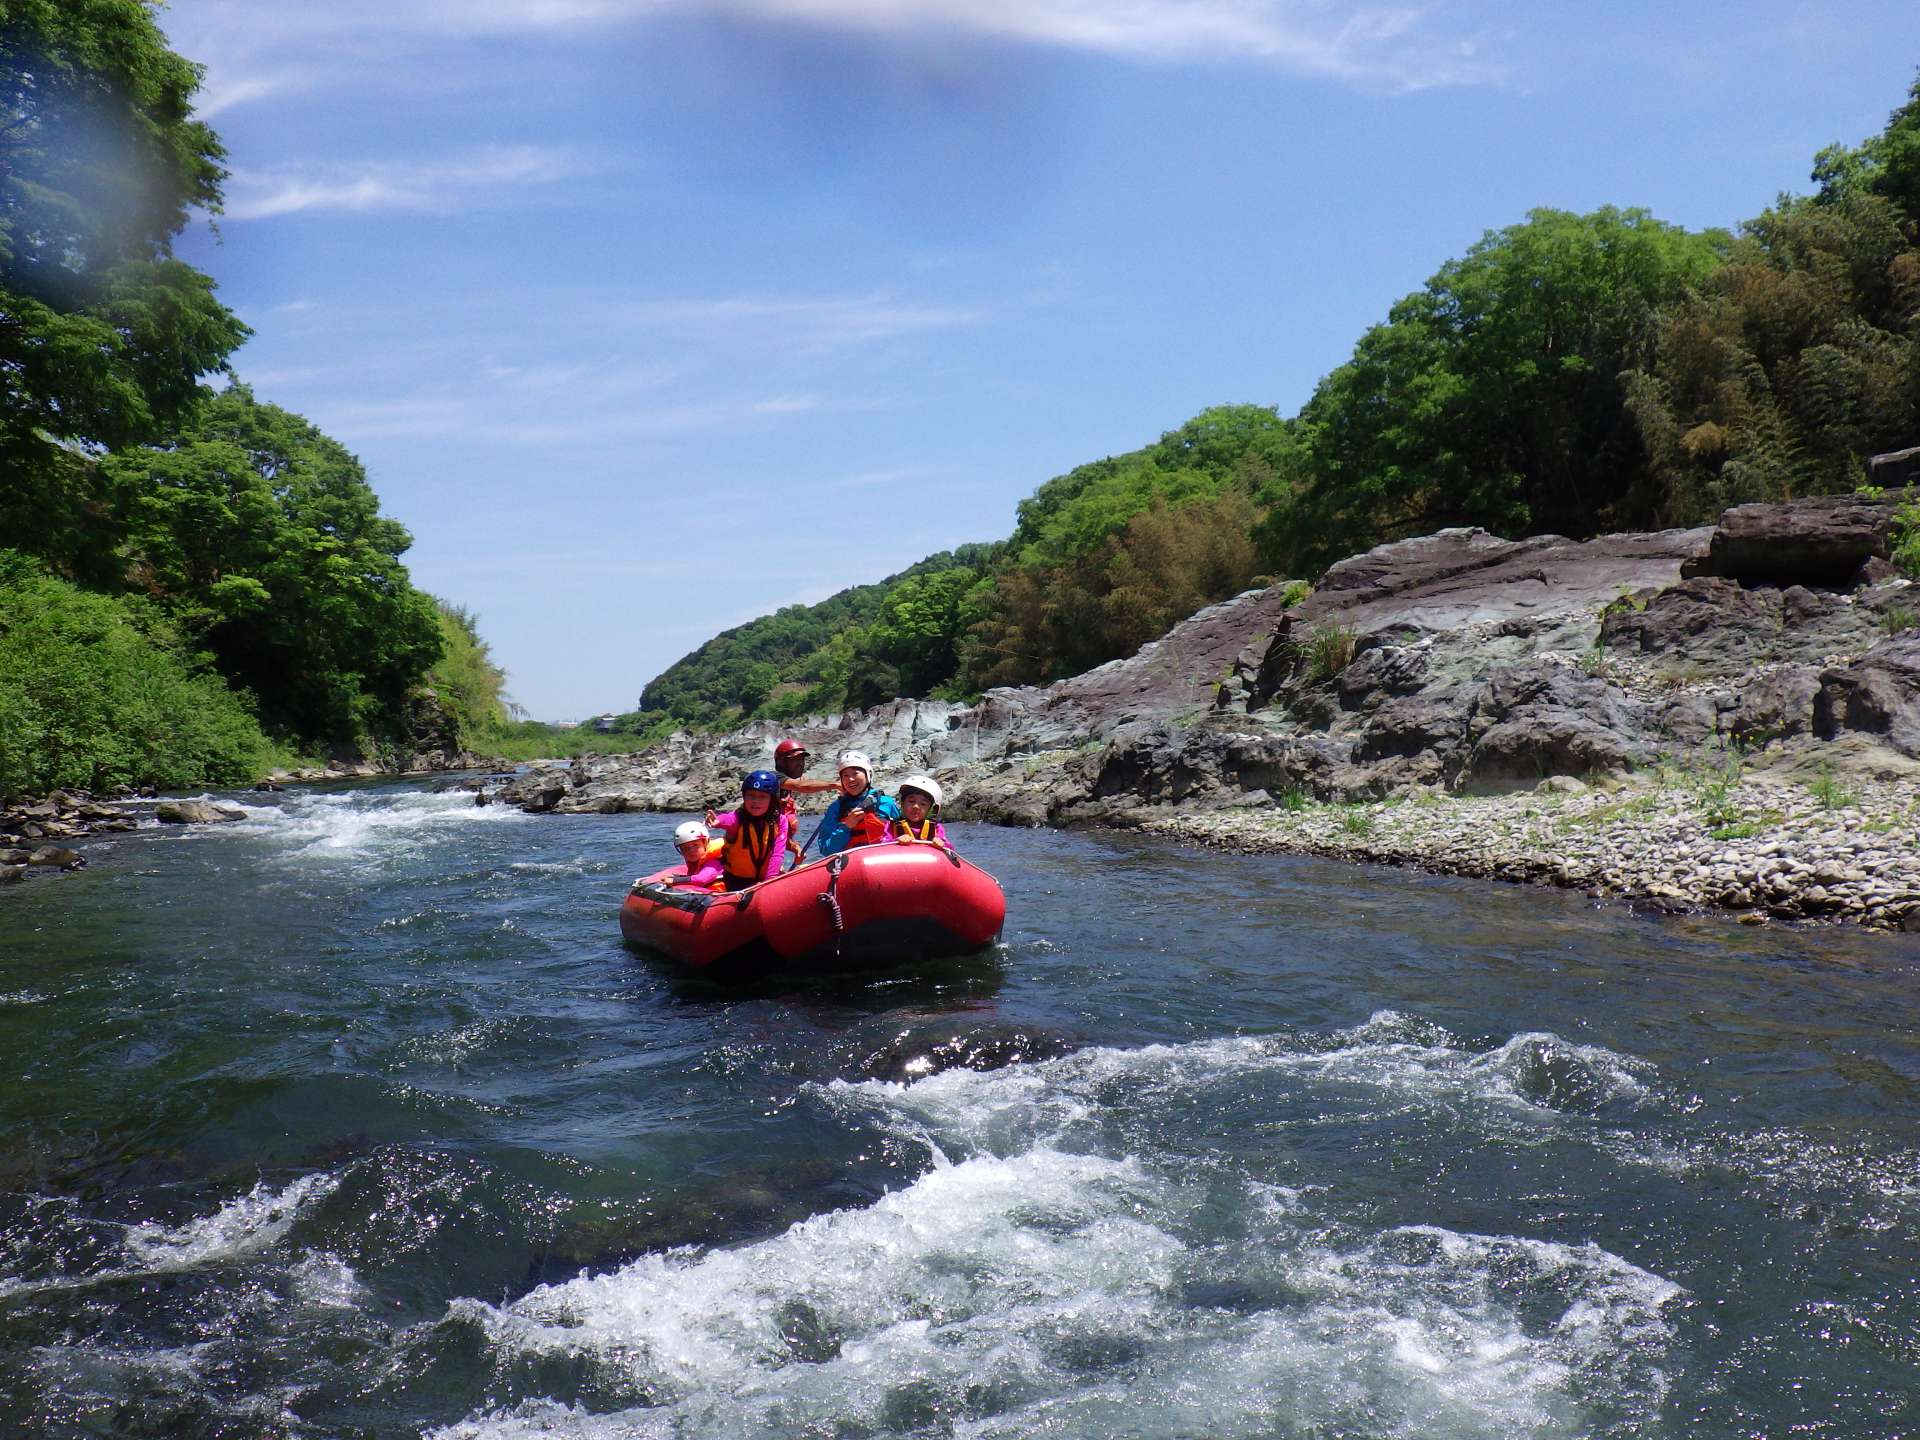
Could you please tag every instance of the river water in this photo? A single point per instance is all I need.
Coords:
(356, 1119)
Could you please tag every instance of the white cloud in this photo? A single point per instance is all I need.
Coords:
(378, 185)
(256, 49)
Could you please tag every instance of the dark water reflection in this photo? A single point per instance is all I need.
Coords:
(358, 1119)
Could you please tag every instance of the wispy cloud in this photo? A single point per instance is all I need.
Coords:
(256, 49)
(489, 416)
(868, 479)
(825, 322)
(444, 184)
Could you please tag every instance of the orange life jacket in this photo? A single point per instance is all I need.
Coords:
(925, 832)
(747, 846)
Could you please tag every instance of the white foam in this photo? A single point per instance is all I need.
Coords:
(327, 1280)
(1042, 1294)
(1397, 1062)
(358, 824)
(243, 1226)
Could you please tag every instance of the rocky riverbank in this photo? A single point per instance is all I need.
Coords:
(1768, 847)
(1725, 716)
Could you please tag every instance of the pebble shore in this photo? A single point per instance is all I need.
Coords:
(1767, 848)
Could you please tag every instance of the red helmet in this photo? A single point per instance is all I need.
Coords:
(788, 747)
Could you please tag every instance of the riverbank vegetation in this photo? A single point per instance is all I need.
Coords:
(1571, 374)
(196, 584)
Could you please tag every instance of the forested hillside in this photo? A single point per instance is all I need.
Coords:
(192, 583)
(1571, 373)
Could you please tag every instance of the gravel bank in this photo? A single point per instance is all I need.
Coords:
(1767, 847)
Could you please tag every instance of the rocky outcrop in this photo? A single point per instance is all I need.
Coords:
(1454, 664)
(1877, 695)
(1825, 540)
(61, 815)
(1897, 468)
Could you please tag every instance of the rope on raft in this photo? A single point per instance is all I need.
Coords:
(828, 898)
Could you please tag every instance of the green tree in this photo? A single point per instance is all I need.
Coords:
(1494, 396)
(465, 677)
(264, 537)
(103, 334)
(919, 627)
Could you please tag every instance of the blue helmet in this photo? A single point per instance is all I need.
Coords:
(761, 780)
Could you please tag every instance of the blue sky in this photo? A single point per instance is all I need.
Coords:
(650, 316)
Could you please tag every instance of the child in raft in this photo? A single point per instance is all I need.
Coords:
(701, 855)
(919, 822)
(755, 847)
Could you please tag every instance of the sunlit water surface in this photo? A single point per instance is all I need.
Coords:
(357, 1119)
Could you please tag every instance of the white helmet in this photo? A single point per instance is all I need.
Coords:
(688, 830)
(856, 760)
(926, 784)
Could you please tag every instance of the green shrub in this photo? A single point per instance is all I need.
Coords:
(1329, 650)
(95, 692)
(1716, 786)
(1830, 791)
(1906, 539)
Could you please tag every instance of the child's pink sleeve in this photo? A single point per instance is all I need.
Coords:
(777, 856)
(708, 874)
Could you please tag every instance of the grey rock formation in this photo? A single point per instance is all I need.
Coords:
(1879, 694)
(1455, 660)
(1820, 541)
(1900, 467)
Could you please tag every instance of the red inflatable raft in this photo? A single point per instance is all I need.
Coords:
(877, 904)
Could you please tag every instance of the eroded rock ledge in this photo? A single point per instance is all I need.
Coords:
(1447, 672)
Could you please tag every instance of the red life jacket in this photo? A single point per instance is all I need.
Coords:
(865, 827)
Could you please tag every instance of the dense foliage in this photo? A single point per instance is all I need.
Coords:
(97, 690)
(802, 657)
(186, 570)
(1572, 373)
(103, 335)
(1495, 395)
(264, 537)
(465, 677)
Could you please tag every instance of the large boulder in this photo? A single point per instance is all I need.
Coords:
(1879, 694)
(1900, 467)
(1819, 541)
(1532, 721)
(58, 857)
(196, 812)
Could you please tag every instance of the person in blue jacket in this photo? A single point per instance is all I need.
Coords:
(859, 813)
